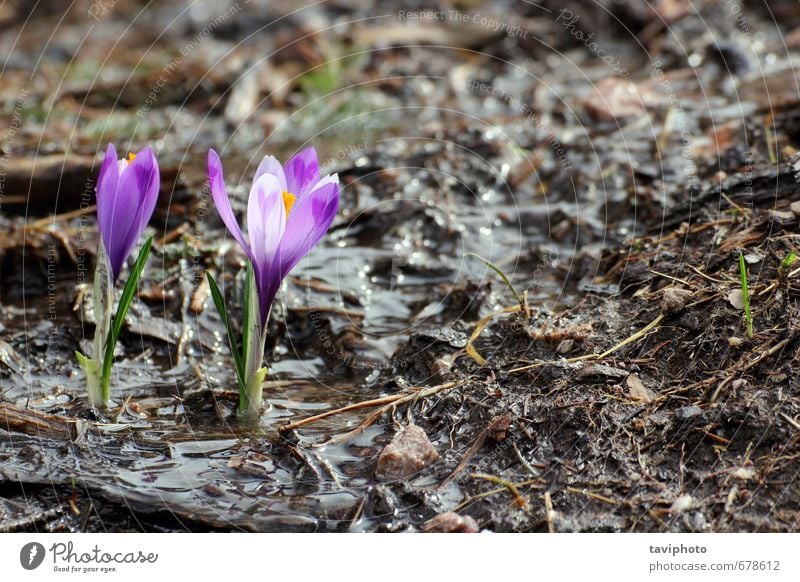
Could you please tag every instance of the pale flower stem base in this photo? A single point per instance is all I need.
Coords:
(254, 395)
(251, 402)
(91, 368)
(103, 295)
(255, 373)
(96, 397)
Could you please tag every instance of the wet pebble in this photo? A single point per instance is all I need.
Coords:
(498, 427)
(213, 490)
(687, 412)
(450, 522)
(409, 452)
(674, 300)
(681, 504)
(600, 372)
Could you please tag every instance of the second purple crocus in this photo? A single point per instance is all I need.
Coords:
(127, 192)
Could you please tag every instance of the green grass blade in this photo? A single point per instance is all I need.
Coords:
(122, 310)
(789, 260)
(745, 296)
(219, 302)
(247, 314)
(501, 274)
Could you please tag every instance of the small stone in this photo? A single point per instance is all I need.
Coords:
(674, 299)
(736, 298)
(744, 473)
(409, 452)
(213, 490)
(782, 216)
(443, 365)
(638, 391)
(738, 385)
(450, 522)
(498, 427)
(735, 342)
(753, 258)
(687, 412)
(695, 521)
(566, 346)
(601, 372)
(681, 504)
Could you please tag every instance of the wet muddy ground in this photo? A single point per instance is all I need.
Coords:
(610, 158)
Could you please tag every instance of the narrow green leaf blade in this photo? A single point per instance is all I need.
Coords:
(501, 274)
(789, 260)
(745, 296)
(247, 314)
(122, 310)
(130, 289)
(219, 302)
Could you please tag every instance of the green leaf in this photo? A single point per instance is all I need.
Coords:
(92, 370)
(219, 302)
(250, 401)
(789, 260)
(119, 317)
(745, 296)
(103, 295)
(247, 315)
(254, 336)
(502, 276)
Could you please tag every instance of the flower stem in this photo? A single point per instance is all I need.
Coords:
(97, 384)
(254, 340)
(91, 368)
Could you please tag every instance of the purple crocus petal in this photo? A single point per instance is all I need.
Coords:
(139, 182)
(308, 222)
(107, 183)
(118, 208)
(302, 172)
(270, 165)
(220, 196)
(266, 222)
(126, 197)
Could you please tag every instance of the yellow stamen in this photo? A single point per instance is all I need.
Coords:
(131, 157)
(288, 201)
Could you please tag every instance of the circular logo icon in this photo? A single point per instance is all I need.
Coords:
(31, 555)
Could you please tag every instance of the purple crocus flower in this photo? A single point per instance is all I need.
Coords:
(289, 210)
(127, 192)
